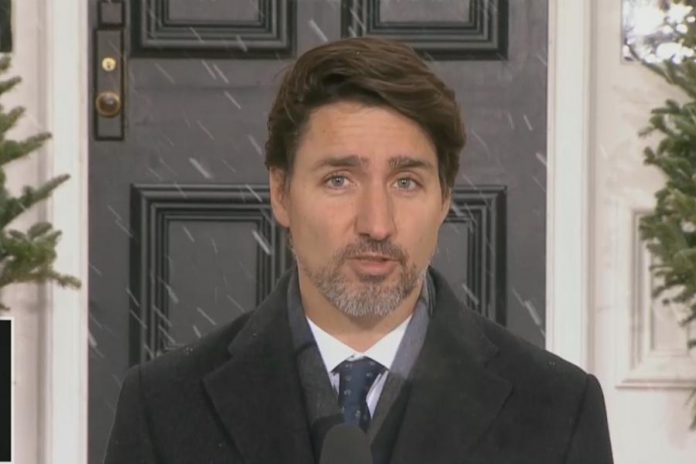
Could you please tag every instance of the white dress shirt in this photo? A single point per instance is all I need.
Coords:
(334, 352)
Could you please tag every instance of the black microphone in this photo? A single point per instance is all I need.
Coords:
(346, 444)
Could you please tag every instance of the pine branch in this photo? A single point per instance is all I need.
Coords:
(5, 62)
(28, 257)
(38, 229)
(13, 207)
(8, 120)
(11, 150)
(9, 84)
(25, 256)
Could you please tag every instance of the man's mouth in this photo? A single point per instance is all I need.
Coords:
(373, 264)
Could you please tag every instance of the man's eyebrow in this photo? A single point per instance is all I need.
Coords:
(395, 163)
(348, 161)
(408, 162)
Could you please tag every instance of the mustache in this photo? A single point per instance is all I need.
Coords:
(387, 249)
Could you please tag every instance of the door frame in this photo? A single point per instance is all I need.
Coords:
(65, 345)
(568, 239)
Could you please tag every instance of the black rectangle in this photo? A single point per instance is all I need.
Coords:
(5, 390)
(5, 25)
(109, 45)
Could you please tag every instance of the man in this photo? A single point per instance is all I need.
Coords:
(362, 151)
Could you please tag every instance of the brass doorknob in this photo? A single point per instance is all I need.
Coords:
(108, 104)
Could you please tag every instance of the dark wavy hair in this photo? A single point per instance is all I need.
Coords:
(374, 72)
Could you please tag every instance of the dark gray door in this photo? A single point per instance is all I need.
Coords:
(181, 232)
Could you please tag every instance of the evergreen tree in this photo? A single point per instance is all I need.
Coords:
(24, 256)
(670, 229)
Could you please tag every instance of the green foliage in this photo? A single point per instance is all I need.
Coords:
(25, 256)
(670, 229)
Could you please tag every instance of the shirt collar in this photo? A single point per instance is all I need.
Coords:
(334, 352)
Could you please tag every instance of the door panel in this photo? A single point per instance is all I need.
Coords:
(247, 29)
(182, 238)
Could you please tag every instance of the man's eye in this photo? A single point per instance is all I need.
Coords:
(407, 183)
(336, 181)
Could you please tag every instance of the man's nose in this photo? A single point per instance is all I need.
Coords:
(375, 216)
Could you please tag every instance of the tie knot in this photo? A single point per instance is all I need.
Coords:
(362, 371)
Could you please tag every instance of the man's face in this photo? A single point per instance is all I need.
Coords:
(363, 207)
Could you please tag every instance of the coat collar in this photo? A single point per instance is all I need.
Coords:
(257, 392)
(453, 398)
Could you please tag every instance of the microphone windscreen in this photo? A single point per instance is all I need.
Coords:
(346, 444)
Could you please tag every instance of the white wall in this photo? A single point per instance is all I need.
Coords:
(638, 351)
(50, 53)
(25, 300)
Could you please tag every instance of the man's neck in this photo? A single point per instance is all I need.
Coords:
(358, 333)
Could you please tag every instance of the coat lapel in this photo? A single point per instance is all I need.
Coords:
(257, 393)
(453, 397)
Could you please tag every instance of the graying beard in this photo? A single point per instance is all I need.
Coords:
(373, 301)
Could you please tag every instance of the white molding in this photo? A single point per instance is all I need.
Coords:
(641, 364)
(64, 52)
(567, 244)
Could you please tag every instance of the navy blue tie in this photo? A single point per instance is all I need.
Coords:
(355, 380)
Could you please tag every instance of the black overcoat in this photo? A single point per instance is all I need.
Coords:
(477, 394)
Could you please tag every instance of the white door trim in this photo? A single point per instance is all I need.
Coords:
(64, 52)
(568, 177)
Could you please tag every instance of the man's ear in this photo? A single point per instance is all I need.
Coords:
(277, 179)
(446, 204)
